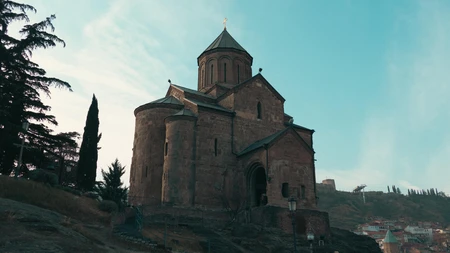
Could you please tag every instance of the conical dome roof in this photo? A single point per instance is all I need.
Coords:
(225, 40)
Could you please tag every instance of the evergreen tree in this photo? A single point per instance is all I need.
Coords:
(428, 192)
(389, 190)
(87, 163)
(409, 192)
(394, 190)
(112, 188)
(398, 190)
(22, 82)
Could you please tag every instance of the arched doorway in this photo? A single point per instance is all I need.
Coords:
(257, 186)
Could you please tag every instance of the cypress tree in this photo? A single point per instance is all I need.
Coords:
(87, 163)
(389, 190)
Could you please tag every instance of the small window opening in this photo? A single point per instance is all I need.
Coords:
(224, 72)
(303, 192)
(285, 190)
(239, 74)
(203, 78)
(259, 110)
(146, 171)
(212, 70)
(215, 147)
(166, 148)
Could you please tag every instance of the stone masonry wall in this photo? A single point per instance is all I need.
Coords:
(305, 219)
(213, 131)
(290, 162)
(217, 59)
(178, 179)
(248, 128)
(148, 155)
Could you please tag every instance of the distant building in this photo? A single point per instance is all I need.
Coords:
(390, 243)
(330, 183)
(327, 185)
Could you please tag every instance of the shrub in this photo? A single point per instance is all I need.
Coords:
(43, 176)
(108, 206)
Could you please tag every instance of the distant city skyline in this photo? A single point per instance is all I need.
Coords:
(371, 77)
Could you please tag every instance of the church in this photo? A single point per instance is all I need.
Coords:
(229, 143)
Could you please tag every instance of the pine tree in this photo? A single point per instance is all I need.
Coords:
(394, 190)
(87, 163)
(22, 82)
(112, 188)
(398, 190)
(409, 192)
(389, 190)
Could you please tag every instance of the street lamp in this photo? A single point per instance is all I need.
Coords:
(292, 207)
(25, 126)
(310, 237)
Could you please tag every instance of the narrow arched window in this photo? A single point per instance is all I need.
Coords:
(258, 108)
(212, 71)
(238, 74)
(303, 192)
(224, 72)
(203, 78)
(285, 190)
(215, 147)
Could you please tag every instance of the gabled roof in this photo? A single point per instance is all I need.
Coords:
(271, 139)
(390, 238)
(208, 105)
(191, 91)
(300, 127)
(225, 40)
(248, 81)
(167, 100)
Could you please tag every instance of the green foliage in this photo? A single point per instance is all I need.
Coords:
(112, 188)
(43, 177)
(22, 82)
(87, 164)
(108, 206)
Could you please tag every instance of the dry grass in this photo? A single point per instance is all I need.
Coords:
(181, 239)
(38, 194)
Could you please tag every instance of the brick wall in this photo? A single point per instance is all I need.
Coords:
(272, 216)
(178, 180)
(248, 128)
(217, 59)
(148, 155)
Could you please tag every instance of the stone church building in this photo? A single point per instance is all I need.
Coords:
(229, 143)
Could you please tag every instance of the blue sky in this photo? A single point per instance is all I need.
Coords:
(371, 77)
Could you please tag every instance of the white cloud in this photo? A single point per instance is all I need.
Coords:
(125, 56)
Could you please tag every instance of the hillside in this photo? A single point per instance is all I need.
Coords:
(347, 209)
(40, 218)
(37, 218)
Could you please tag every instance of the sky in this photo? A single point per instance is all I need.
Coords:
(370, 77)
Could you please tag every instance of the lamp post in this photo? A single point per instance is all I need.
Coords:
(310, 237)
(292, 207)
(25, 126)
